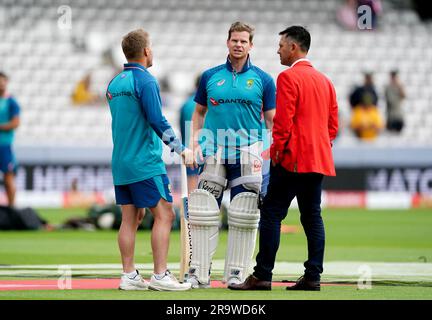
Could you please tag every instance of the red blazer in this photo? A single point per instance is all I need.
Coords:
(306, 120)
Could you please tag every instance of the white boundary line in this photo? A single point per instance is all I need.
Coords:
(399, 271)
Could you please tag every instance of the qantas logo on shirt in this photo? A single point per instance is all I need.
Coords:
(235, 100)
(214, 102)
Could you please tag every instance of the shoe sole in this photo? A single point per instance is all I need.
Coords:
(252, 289)
(132, 288)
(157, 288)
(200, 286)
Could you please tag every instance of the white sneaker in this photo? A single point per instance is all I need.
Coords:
(234, 280)
(137, 283)
(193, 280)
(168, 283)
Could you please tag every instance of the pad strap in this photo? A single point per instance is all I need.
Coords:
(245, 179)
(214, 178)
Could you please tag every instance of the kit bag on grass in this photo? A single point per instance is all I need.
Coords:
(20, 219)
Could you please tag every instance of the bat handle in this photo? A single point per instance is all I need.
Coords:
(183, 179)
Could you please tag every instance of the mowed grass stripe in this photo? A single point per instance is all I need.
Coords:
(277, 293)
(334, 271)
(351, 235)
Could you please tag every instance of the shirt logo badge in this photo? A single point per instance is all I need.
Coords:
(221, 82)
(249, 83)
(257, 166)
(214, 102)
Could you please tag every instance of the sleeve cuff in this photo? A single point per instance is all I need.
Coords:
(177, 147)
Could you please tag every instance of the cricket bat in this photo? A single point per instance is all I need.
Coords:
(185, 233)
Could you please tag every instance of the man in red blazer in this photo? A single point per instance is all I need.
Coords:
(305, 124)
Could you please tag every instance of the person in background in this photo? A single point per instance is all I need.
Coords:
(347, 15)
(366, 122)
(82, 94)
(365, 94)
(9, 122)
(394, 95)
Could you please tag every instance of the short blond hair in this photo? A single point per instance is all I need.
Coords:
(239, 26)
(134, 42)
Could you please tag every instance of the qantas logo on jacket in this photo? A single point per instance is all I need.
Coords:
(113, 95)
(215, 102)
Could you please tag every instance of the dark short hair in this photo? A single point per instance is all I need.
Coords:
(394, 73)
(3, 75)
(299, 35)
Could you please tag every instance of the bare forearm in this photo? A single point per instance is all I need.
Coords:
(197, 124)
(8, 126)
(268, 117)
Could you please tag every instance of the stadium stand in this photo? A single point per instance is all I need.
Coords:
(46, 61)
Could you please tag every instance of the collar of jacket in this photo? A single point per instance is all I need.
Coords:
(246, 66)
(302, 61)
(134, 65)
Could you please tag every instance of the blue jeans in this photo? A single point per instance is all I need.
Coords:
(282, 189)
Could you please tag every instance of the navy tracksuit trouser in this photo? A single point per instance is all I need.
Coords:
(282, 189)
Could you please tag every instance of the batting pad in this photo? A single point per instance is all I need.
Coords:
(243, 218)
(204, 222)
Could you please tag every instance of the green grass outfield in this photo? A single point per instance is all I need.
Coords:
(378, 292)
(352, 235)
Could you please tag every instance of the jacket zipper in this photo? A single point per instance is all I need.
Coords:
(234, 73)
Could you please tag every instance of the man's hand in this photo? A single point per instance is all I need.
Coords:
(197, 150)
(188, 158)
(275, 159)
